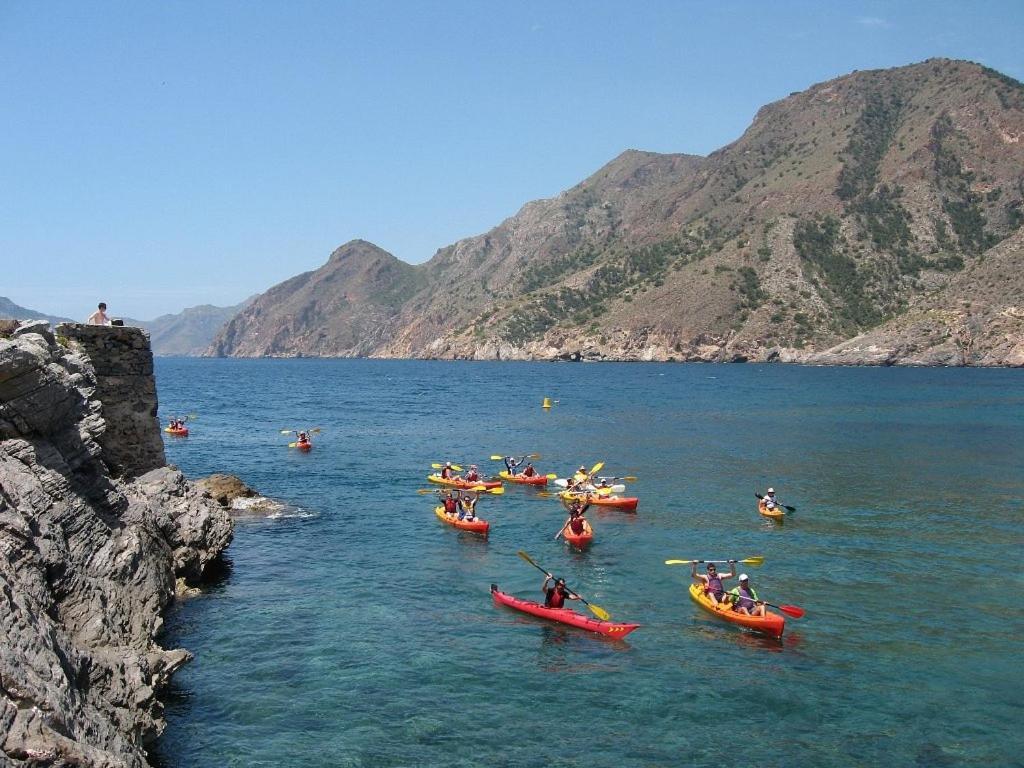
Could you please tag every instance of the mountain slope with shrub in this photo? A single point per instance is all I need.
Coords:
(841, 208)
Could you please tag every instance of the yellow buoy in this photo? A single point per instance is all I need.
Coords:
(546, 403)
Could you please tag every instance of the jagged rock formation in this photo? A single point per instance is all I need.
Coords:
(93, 537)
(838, 210)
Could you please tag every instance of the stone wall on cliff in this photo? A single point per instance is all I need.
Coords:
(94, 534)
(123, 365)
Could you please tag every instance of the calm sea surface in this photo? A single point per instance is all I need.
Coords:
(358, 630)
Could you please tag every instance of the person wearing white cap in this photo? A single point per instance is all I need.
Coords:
(744, 598)
(770, 501)
(447, 471)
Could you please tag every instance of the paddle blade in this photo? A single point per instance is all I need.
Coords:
(678, 562)
(551, 476)
(758, 561)
(496, 491)
(423, 491)
(316, 431)
(792, 610)
(598, 611)
(435, 465)
(789, 509)
(292, 445)
(287, 431)
(528, 559)
(597, 468)
(456, 467)
(533, 456)
(497, 458)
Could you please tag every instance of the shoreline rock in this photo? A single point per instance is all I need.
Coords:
(97, 533)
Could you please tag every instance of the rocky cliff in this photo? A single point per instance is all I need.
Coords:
(839, 210)
(94, 534)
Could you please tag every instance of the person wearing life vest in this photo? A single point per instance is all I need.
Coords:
(451, 505)
(712, 580)
(468, 504)
(744, 598)
(529, 471)
(472, 475)
(555, 595)
(303, 438)
(447, 473)
(769, 500)
(576, 522)
(580, 475)
(511, 464)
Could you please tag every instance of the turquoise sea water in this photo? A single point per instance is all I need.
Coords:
(359, 630)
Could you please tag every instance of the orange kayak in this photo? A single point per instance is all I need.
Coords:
(473, 526)
(458, 482)
(625, 503)
(523, 480)
(778, 514)
(304, 446)
(771, 624)
(183, 432)
(579, 540)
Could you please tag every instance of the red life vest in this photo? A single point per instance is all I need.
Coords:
(555, 598)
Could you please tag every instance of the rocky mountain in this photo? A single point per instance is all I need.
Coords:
(841, 211)
(11, 311)
(189, 332)
(97, 536)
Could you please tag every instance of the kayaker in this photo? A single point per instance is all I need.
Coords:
(468, 504)
(769, 500)
(451, 506)
(472, 475)
(712, 580)
(580, 476)
(447, 473)
(744, 598)
(576, 522)
(511, 463)
(303, 438)
(529, 471)
(555, 596)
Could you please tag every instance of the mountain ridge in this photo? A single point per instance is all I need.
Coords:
(837, 209)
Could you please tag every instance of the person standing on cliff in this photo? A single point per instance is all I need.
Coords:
(99, 317)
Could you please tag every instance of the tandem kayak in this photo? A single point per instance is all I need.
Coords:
(563, 615)
(626, 503)
(458, 482)
(778, 514)
(771, 624)
(523, 480)
(183, 432)
(473, 526)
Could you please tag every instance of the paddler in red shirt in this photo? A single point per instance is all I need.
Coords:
(472, 476)
(555, 596)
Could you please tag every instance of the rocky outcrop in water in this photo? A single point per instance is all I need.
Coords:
(94, 534)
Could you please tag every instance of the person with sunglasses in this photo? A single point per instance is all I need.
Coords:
(712, 580)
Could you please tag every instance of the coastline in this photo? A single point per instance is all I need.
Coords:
(100, 536)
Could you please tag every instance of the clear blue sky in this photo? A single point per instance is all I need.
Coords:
(163, 155)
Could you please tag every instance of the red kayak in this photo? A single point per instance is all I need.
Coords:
(523, 479)
(458, 482)
(563, 615)
(473, 526)
(183, 432)
(626, 503)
